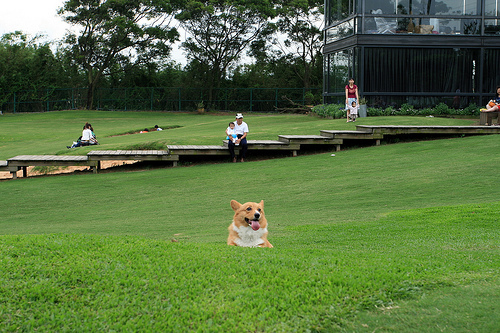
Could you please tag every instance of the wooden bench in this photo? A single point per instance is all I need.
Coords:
(269, 145)
(97, 156)
(442, 130)
(486, 118)
(310, 140)
(4, 166)
(353, 135)
(24, 161)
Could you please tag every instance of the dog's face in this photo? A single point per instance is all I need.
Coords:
(250, 214)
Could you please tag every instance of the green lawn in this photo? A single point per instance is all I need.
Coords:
(392, 238)
(51, 132)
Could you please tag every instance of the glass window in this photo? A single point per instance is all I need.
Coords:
(492, 27)
(342, 30)
(338, 10)
(424, 7)
(380, 6)
(419, 70)
(491, 72)
(492, 7)
(340, 69)
(424, 26)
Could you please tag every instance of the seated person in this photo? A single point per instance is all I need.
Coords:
(231, 133)
(241, 129)
(493, 104)
(88, 137)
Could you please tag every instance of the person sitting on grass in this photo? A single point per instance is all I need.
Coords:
(88, 137)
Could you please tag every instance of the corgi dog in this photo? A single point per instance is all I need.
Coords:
(249, 227)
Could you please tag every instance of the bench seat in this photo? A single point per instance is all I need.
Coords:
(24, 161)
(134, 155)
(486, 118)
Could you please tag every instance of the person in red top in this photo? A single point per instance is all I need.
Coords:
(351, 95)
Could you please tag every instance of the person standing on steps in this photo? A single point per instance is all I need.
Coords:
(351, 95)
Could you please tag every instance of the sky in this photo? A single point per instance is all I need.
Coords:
(33, 17)
(39, 17)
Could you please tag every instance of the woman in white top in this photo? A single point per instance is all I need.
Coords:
(87, 138)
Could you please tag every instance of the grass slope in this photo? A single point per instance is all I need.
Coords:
(51, 132)
(373, 239)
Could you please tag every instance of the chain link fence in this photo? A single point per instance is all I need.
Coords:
(159, 99)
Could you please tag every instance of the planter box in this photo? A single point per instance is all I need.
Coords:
(362, 110)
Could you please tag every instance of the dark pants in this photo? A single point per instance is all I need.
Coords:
(243, 145)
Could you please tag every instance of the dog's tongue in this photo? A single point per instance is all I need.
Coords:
(255, 225)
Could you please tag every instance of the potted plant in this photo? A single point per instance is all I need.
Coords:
(201, 107)
(309, 99)
(362, 107)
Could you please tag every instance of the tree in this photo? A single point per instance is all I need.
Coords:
(220, 30)
(26, 63)
(116, 33)
(300, 38)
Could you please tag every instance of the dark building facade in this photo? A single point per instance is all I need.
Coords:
(420, 52)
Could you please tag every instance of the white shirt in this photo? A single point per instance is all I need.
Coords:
(86, 134)
(240, 129)
(354, 110)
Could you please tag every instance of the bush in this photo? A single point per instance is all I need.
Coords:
(427, 112)
(337, 111)
(442, 109)
(471, 109)
(407, 110)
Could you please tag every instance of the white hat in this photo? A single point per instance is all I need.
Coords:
(239, 115)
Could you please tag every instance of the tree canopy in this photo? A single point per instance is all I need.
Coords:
(125, 43)
(219, 32)
(115, 33)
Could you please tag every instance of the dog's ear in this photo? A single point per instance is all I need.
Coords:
(235, 205)
(261, 203)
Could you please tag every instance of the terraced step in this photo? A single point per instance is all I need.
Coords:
(398, 129)
(268, 145)
(355, 135)
(195, 150)
(309, 139)
(134, 155)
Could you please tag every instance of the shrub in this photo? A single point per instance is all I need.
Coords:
(471, 109)
(335, 111)
(389, 111)
(442, 109)
(374, 112)
(426, 112)
(407, 110)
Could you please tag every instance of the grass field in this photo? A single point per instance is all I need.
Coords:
(392, 238)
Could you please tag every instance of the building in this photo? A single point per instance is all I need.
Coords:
(420, 52)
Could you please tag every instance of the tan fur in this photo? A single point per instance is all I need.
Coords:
(240, 233)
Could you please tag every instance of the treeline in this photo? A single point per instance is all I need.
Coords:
(128, 43)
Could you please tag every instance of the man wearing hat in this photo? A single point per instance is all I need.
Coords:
(241, 130)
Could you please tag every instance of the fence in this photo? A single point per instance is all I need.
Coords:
(157, 99)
